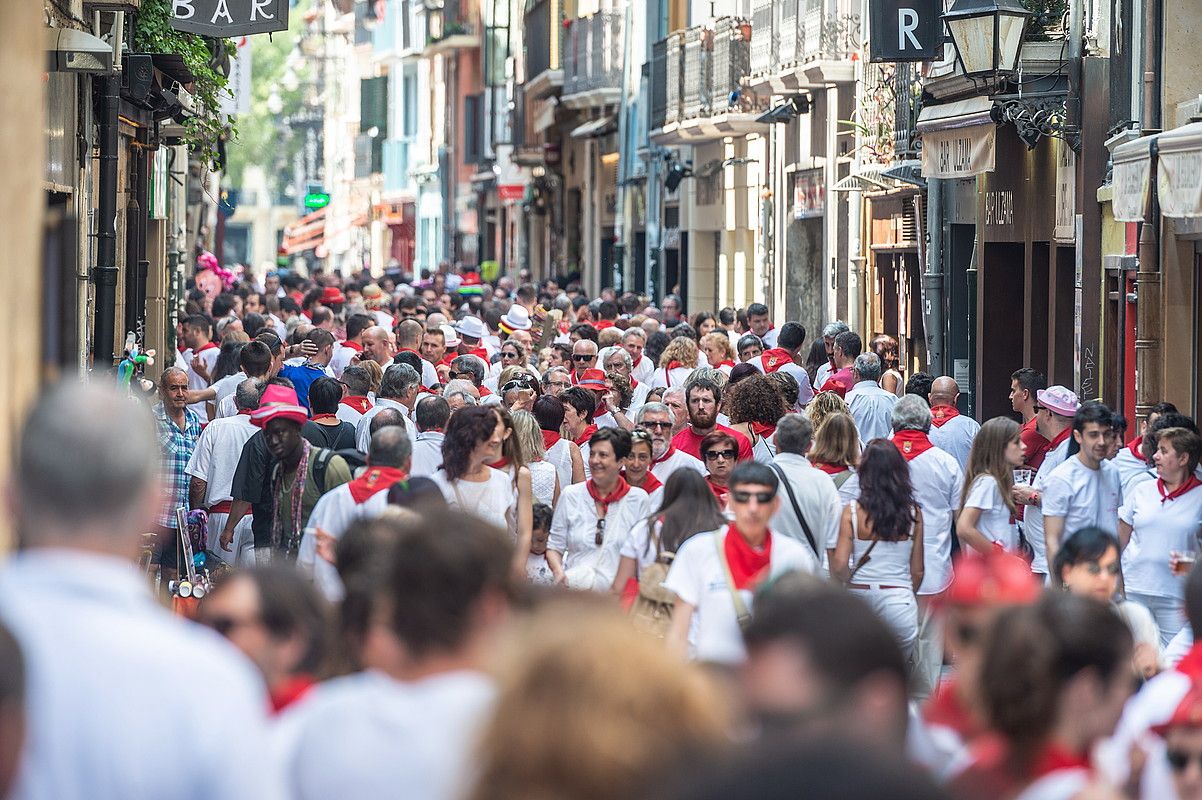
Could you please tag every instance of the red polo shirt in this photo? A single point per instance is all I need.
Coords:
(690, 442)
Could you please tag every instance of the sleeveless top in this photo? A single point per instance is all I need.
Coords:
(493, 500)
(889, 563)
(542, 481)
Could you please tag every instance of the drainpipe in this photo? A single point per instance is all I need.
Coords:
(1149, 367)
(104, 275)
(932, 280)
(971, 274)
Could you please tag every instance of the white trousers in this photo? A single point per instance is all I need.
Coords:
(898, 609)
(243, 547)
(1169, 613)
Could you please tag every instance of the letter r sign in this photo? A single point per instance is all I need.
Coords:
(904, 30)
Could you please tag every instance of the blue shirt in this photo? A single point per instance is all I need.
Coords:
(176, 445)
(302, 378)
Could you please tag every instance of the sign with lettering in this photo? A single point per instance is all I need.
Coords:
(904, 30)
(229, 18)
(1179, 183)
(1066, 193)
(958, 152)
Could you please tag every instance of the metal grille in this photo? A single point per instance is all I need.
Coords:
(696, 62)
(659, 84)
(675, 73)
(731, 61)
(763, 41)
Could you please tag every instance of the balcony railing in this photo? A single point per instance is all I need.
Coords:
(888, 113)
(593, 55)
(699, 72)
(451, 27)
(542, 32)
(793, 32)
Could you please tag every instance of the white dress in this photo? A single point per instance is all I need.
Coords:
(542, 481)
(492, 500)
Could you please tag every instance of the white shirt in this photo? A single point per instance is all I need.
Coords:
(698, 577)
(103, 663)
(816, 497)
(367, 735)
(573, 533)
(823, 374)
(995, 518)
(342, 358)
(225, 389)
(664, 377)
(334, 513)
(363, 427)
(872, 409)
(346, 413)
(494, 500)
(1083, 496)
(769, 338)
(937, 481)
(1132, 470)
(1033, 515)
(560, 454)
(805, 392)
(1157, 528)
(956, 437)
(427, 454)
(678, 459)
(642, 371)
(208, 357)
(215, 459)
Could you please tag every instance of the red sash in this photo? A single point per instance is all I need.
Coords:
(650, 482)
(374, 480)
(830, 469)
(745, 563)
(550, 439)
(1060, 437)
(358, 402)
(586, 435)
(1191, 482)
(775, 358)
(940, 415)
(912, 443)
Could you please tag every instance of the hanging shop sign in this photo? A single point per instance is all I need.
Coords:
(958, 139)
(229, 18)
(1179, 172)
(905, 30)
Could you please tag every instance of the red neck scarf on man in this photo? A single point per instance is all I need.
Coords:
(320, 417)
(358, 348)
(290, 691)
(585, 435)
(762, 429)
(912, 443)
(775, 358)
(1057, 758)
(358, 402)
(550, 439)
(1191, 482)
(620, 490)
(1135, 445)
(745, 562)
(1060, 437)
(830, 469)
(602, 324)
(650, 482)
(1191, 663)
(375, 480)
(941, 415)
(206, 346)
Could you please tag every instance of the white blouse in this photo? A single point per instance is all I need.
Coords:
(573, 533)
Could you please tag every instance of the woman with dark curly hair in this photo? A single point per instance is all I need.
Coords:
(754, 406)
(474, 439)
(879, 552)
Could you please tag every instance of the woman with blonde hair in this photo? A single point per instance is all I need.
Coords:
(823, 406)
(675, 363)
(375, 373)
(528, 447)
(590, 709)
(719, 351)
(986, 521)
(836, 448)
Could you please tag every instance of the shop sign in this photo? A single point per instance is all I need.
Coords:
(229, 18)
(905, 30)
(809, 194)
(1066, 193)
(958, 152)
(1179, 183)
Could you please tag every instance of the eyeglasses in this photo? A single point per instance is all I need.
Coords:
(510, 355)
(599, 537)
(729, 455)
(1096, 569)
(745, 497)
(1179, 760)
(656, 425)
(467, 376)
(558, 384)
(582, 357)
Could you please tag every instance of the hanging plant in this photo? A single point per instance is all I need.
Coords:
(1047, 19)
(153, 34)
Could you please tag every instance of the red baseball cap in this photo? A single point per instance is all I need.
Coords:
(592, 379)
(332, 295)
(993, 580)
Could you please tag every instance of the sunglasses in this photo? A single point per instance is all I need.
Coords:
(1179, 760)
(714, 455)
(509, 355)
(599, 536)
(516, 383)
(583, 358)
(227, 625)
(745, 497)
(657, 425)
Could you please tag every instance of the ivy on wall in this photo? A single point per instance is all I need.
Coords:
(153, 34)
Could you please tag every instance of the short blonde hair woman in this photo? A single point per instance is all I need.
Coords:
(836, 448)
(675, 363)
(590, 709)
(823, 406)
(528, 444)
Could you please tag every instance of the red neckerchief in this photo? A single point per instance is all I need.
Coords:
(1057, 758)
(479, 353)
(650, 482)
(668, 372)
(947, 710)
(775, 358)
(1060, 437)
(500, 464)
(745, 563)
(726, 363)
(358, 402)
(912, 443)
(1191, 663)
(667, 454)
(1191, 482)
(374, 480)
(586, 435)
(941, 415)
(1134, 446)
(358, 348)
(246, 411)
(447, 359)
(550, 439)
(762, 429)
(602, 324)
(619, 491)
(830, 469)
(208, 346)
(319, 417)
(720, 492)
(290, 691)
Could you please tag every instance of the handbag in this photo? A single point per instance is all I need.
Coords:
(741, 612)
(805, 526)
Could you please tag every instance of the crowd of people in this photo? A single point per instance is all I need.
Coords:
(467, 540)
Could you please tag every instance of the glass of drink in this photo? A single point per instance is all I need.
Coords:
(1182, 561)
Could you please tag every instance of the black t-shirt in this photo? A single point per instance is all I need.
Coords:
(252, 484)
(330, 437)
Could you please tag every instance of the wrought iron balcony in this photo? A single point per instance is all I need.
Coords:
(593, 60)
(543, 34)
(792, 35)
(450, 28)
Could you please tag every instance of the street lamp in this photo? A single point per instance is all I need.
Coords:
(987, 35)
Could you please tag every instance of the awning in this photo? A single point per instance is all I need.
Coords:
(306, 233)
(957, 138)
(883, 178)
(1179, 172)
(1132, 166)
(594, 128)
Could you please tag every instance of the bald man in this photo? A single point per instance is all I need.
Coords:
(951, 431)
(378, 345)
(409, 337)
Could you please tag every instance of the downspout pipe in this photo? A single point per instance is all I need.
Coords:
(932, 280)
(1149, 360)
(104, 274)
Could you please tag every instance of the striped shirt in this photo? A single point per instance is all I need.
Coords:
(176, 445)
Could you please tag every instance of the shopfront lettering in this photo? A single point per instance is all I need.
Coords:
(229, 18)
(999, 207)
(959, 152)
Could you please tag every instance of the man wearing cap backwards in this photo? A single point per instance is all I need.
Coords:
(1054, 410)
(302, 472)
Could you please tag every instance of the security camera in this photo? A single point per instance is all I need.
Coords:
(69, 50)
